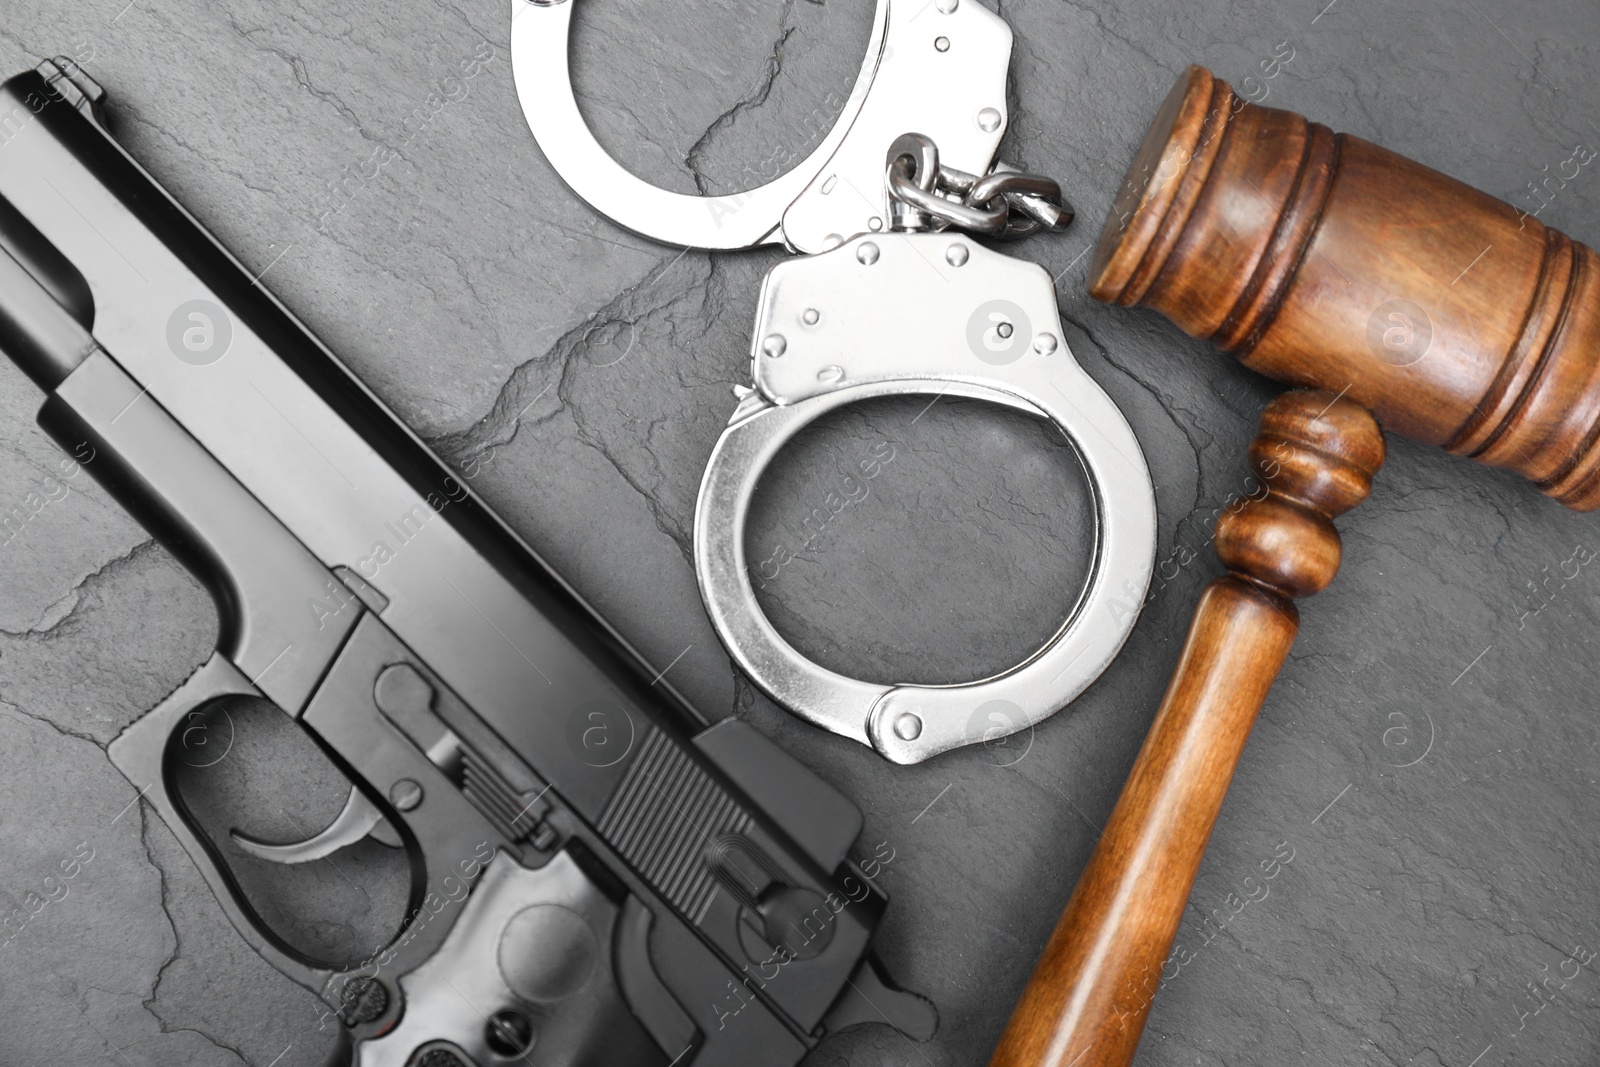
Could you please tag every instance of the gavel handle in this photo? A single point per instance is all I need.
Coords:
(1086, 1003)
(1089, 995)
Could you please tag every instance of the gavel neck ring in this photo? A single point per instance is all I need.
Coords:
(845, 327)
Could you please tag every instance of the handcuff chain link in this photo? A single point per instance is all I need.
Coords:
(1006, 204)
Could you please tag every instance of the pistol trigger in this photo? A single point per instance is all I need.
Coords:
(360, 818)
(384, 834)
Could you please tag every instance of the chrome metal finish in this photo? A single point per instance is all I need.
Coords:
(906, 83)
(922, 191)
(914, 161)
(878, 207)
(878, 335)
(929, 203)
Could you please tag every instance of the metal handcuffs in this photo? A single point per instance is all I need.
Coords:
(890, 298)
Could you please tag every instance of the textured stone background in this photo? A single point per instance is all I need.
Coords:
(1430, 755)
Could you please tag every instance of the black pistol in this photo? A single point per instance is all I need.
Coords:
(594, 879)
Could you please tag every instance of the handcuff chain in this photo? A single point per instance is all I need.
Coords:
(1006, 204)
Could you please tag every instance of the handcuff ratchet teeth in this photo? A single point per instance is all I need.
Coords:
(891, 299)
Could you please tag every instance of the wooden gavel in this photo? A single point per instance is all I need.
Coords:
(1324, 261)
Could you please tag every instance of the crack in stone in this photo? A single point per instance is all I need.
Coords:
(511, 404)
(105, 572)
(744, 694)
(462, 15)
(749, 102)
(129, 111)
(165, 904)
(149, 1002)
(1155, 394)
(1094, 12)
(302, 75)
(667, 523)
(500, 426)
(639, 302)
(64, 731)
(20, 44)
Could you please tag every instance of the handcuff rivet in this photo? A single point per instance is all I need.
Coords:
(1045, 344)
(907, 200)
(908, 727)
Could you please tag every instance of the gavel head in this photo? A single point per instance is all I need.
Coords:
(1323, 260)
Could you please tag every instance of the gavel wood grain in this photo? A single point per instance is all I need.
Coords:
(1086, 1003)
(1320, 259)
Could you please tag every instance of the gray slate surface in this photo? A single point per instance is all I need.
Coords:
(1431, 763)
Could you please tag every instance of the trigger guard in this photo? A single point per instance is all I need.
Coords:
(896, 346)
(142, 752)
